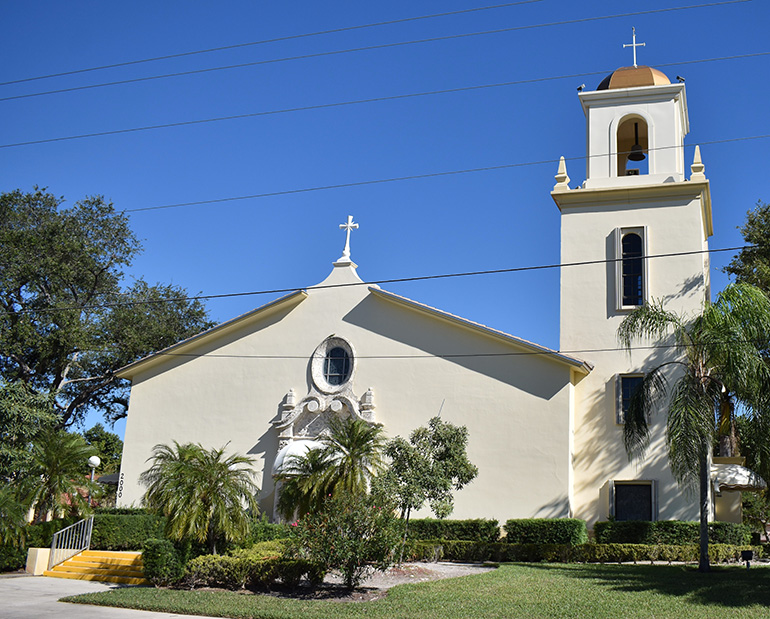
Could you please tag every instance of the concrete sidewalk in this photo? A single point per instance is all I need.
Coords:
(36, 597)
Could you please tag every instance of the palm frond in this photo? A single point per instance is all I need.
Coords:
(645, 401)
(649, 321)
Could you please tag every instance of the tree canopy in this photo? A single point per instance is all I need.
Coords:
(429, 467)
(66, 320)
(24, 415)
(108, 446)
(752, 264)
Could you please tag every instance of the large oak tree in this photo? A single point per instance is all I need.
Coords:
(67, 321)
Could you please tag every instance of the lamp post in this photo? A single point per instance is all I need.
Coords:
(93, 462)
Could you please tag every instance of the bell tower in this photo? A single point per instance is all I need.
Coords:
(639, 228)
(637, 137)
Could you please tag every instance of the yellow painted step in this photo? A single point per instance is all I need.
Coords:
(106, 566)
(98, 569)
(124, 580)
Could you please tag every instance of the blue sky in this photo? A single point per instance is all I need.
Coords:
(454, 223)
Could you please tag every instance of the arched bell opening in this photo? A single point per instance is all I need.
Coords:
(633, 147)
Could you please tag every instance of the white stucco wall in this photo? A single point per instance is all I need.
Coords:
(516, 407)
(590, 319)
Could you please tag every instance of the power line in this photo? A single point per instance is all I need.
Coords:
(396, 179)
(360, 49)
(321, 106)
(203, 297)
(433, 356)
(264, 41)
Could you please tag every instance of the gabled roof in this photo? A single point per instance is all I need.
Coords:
(575, 363)
(287, 301)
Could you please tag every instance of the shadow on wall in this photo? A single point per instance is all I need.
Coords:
(608, 455)
(531, 373)
(267, 447)
(557, 508)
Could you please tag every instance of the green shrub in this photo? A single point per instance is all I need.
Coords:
(12, 558)
(121, 511)
(125, 531)
(274, 549)
(669, 532)
(261, 530)
(464, 551)
(729, 533)
(244, 570)
(476, 530)
(40, 535)
(351, 534)
(546, 531)
(162, 563)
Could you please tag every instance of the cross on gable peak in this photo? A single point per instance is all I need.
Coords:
(348, 226)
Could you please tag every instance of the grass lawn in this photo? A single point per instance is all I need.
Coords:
(513, 590)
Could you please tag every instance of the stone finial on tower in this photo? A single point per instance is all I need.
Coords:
(562, 180)
(697, 167)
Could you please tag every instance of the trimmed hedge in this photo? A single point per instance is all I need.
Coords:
(249, 572)
(669, 532)
(262, 530)
(475, 530)
(546, 531)
(162, 562)
(121, 511)
(463, 551)
(125, 531)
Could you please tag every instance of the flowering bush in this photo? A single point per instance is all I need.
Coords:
(352, 534)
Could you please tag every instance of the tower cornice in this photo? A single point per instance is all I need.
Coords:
(612, 196)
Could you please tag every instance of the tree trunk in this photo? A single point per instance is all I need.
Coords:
(726, 430)
(705, 480)
(406, 530)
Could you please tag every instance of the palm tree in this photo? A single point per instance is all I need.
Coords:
(56, 479)
(303, 486)
(13, 517)
(720, 357)
(203, 494)
(350, 456)
(354, 451)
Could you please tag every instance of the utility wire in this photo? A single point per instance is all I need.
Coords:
(371, 283)
(321, 106)
(396, 179)
(437, 355)
(360, 49)
(264, 41)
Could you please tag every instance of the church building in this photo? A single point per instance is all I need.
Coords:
(545, 427)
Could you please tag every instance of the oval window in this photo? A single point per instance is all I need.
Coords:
(337, 366)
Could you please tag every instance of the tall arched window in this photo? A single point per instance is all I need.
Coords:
(632, 269)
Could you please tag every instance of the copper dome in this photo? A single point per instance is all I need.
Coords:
(631, 77)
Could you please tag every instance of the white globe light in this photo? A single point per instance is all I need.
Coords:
(94, 461)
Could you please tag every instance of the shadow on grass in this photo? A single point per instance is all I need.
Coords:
(724, 586)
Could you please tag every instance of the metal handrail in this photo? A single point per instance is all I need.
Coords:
(70, 541)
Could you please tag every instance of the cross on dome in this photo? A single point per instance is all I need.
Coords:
(634, 45)
(348, 226)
